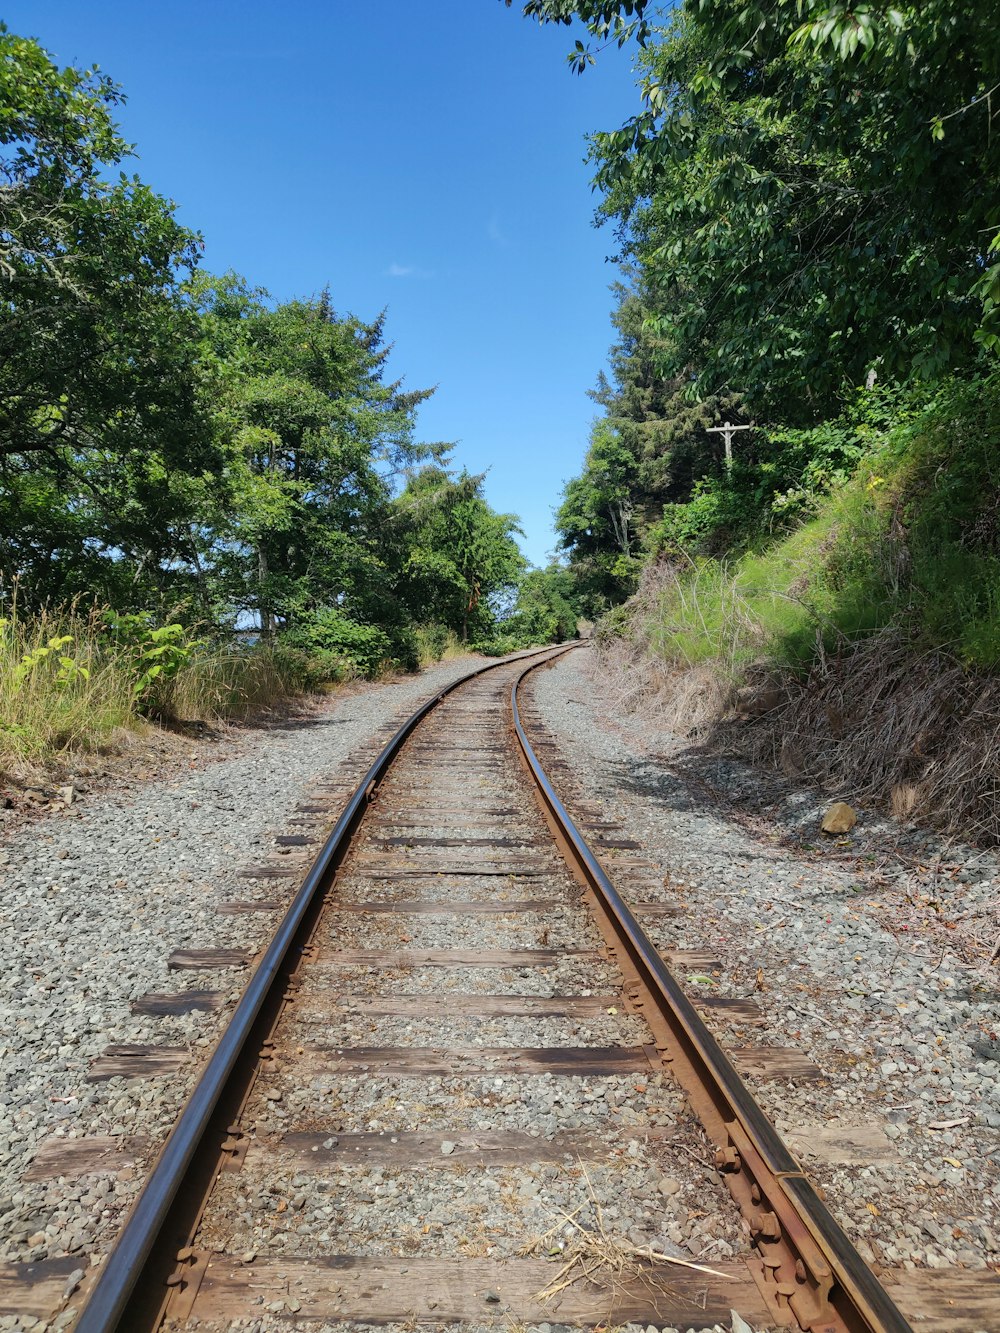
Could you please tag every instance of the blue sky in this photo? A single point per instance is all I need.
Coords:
(424, 157)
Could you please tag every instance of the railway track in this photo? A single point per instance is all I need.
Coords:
(462, 1087)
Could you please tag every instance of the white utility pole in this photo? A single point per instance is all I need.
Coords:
(726, 430)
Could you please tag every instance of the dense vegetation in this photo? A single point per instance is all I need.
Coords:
(806, 205)
(207, 497)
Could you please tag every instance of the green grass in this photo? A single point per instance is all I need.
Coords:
(435, 643)
(911, 540)
(59, 689)
(67, 686)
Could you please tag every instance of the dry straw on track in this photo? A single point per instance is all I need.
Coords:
(605, 1261)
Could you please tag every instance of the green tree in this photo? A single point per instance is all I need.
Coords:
(653, 415)
(101, 421)
(315, 437)
(596, 522)
(547, 608)
(460, 554)
(812, 187)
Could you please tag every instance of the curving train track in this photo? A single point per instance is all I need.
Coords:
(462, 1087)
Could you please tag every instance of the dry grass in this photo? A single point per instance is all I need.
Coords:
(68, 688)
(597, 1257)
(916, 734)
(230, 682)
(59, 691)
(683, 699)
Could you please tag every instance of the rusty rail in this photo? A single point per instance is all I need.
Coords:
(222, 1086)
(808, 1267)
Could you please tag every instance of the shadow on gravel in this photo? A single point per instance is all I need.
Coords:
(766, 807)
(696, 781)
(302, 723)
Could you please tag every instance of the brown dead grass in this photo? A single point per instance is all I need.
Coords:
(914, 733)
(683, 699)
(911, 732)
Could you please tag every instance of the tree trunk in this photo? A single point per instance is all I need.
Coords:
(263, 607)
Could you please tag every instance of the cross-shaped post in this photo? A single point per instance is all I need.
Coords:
(727, 430)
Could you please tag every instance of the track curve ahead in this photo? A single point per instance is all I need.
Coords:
(454, 1085)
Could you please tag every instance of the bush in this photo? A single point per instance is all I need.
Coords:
(435, 643)
(154, 653)
(60, 686)
(336, 647)
(498, 645)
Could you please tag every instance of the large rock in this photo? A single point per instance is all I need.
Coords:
(840, 818)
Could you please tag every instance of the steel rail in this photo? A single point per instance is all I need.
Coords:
(752, 1148)
(126, 1263)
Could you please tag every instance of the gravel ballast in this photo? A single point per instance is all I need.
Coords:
(93, 900)
(847, 955)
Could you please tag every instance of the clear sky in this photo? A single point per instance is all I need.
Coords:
(427, 157)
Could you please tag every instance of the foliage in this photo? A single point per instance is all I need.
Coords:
(315, 437)
(911, 540)
(546, 607)
(616, 22)
(154, 655)
(57, 690)
(811, 187)
(797, 205)
(101, 421)
(338, 647)
(459, 554)
(436, 643)
(595, 522)
(650, 449)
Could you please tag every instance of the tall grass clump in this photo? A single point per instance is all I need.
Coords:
(75, 680)
(437, 643)
(233, 680)
(61, 688)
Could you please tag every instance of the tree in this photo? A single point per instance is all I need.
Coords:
(812, 186)
(547, 608)
(619, 22)
(101, 422)
(595, 522)
(653, 415)
(460, 553)
(315, 436)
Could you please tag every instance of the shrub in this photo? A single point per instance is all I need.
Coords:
(154, 654)
(337, 647)
(435, 643)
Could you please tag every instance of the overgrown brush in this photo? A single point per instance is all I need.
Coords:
(885, 723)
(860, 649)
(235, 681)
(75, 680)
(60, 687)
(436, 643)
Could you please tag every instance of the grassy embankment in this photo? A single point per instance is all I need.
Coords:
(862, 648)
